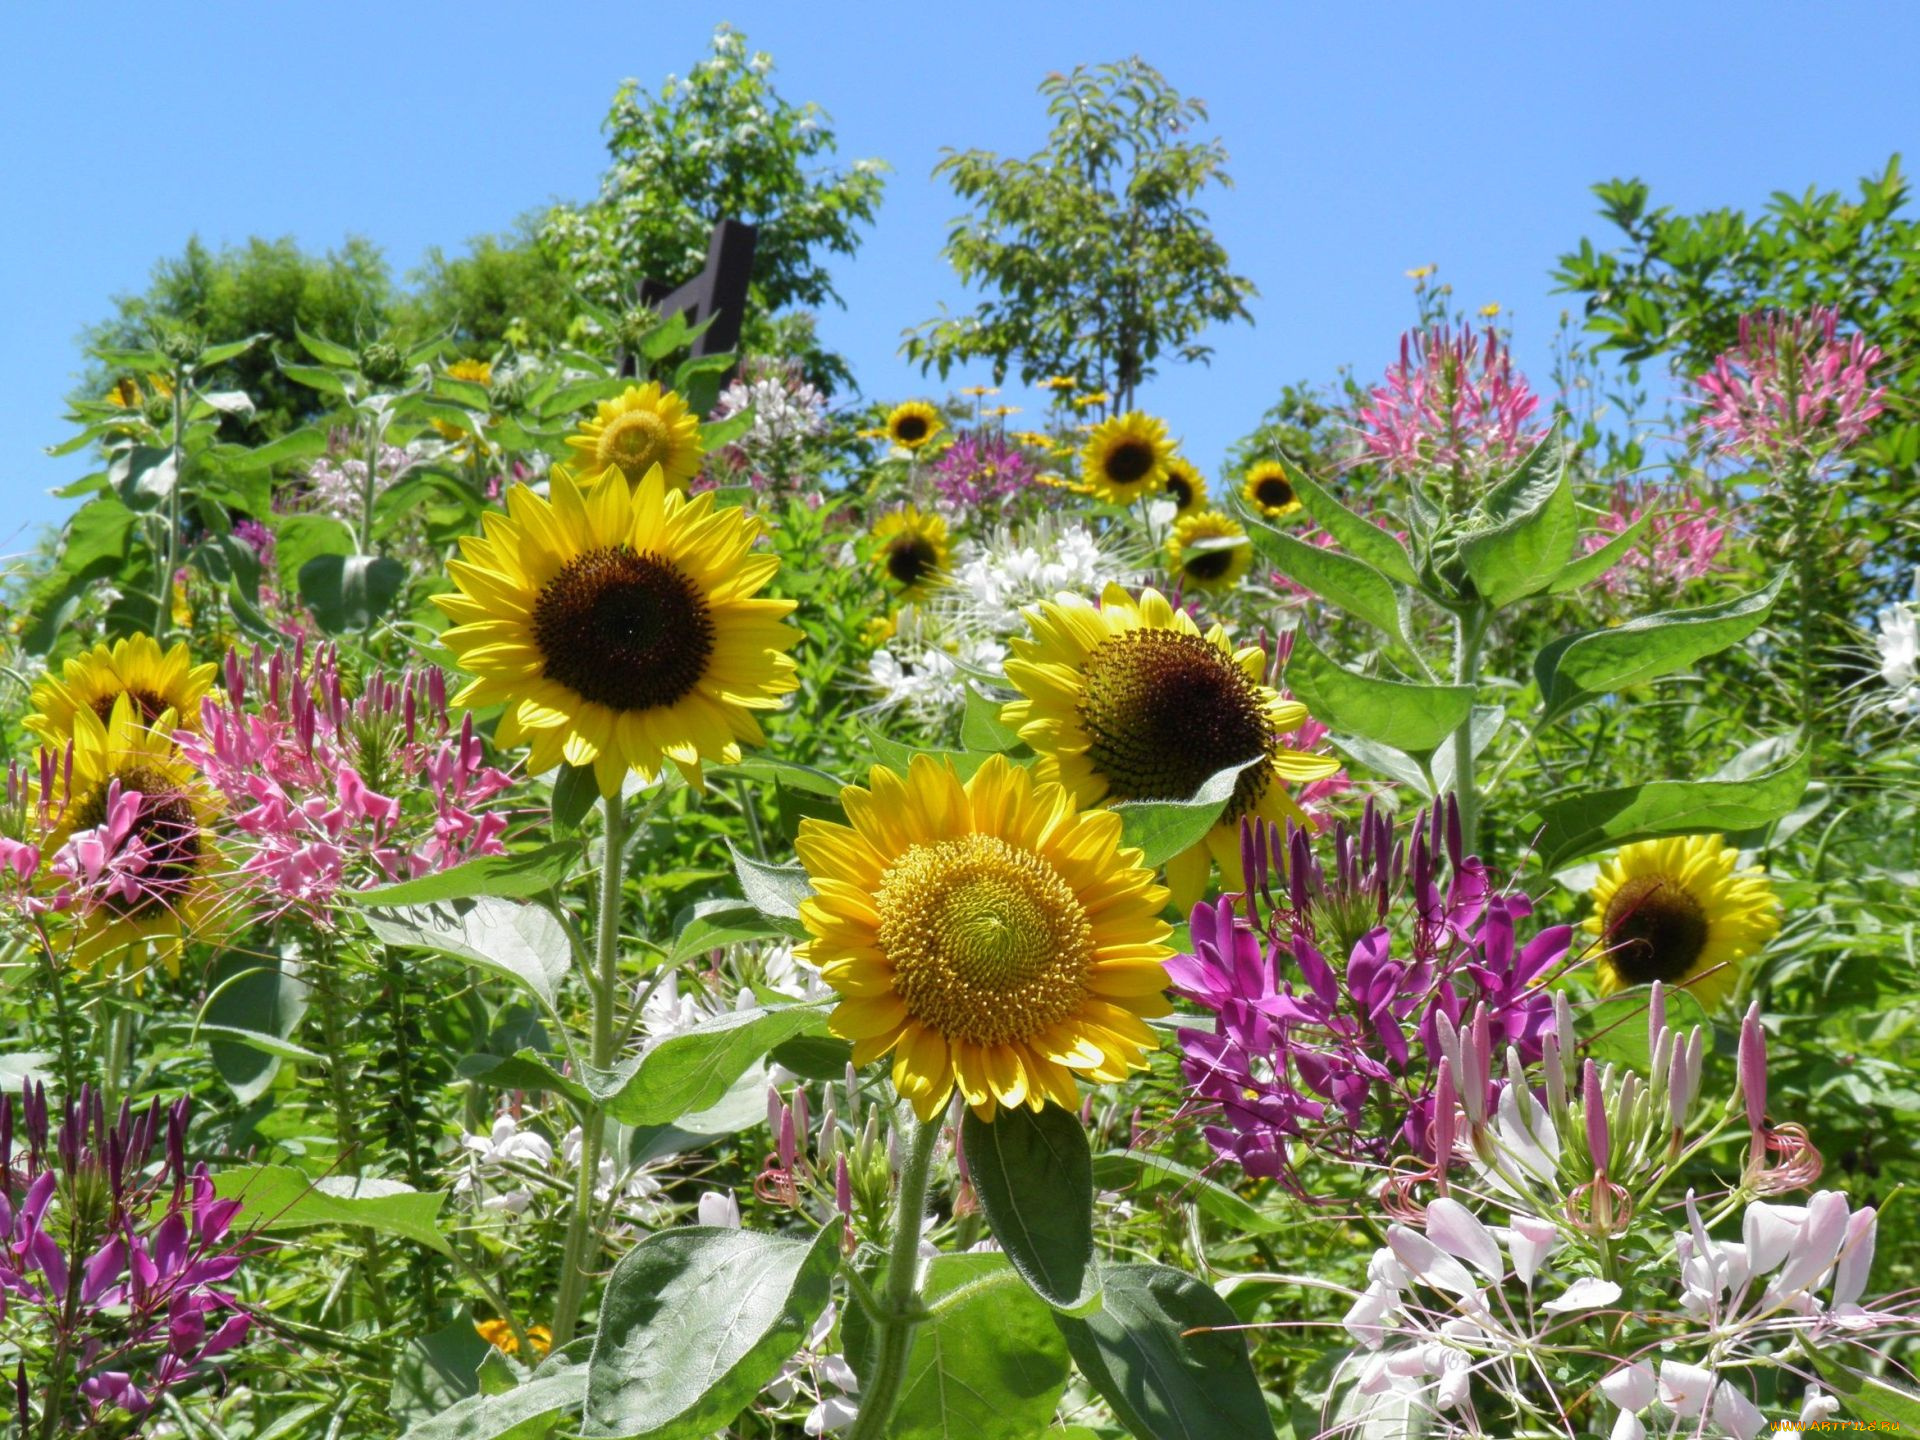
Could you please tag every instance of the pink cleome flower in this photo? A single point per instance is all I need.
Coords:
(1453, 403)
(1791, 382)
(1682, 538)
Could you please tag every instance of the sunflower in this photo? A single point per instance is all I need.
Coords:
(1126, 457)
(986, 933)
(172, 892)
(1060, 382)
(911, 552)
(618, 627)
(136, 667)
(477, 372)
(913, 424)
(1213, 567)
(126, 393)
(1268, 490)
(1130, 701)
(499, 1334)
(1677, 911)
(1186, 486)
(640, 428)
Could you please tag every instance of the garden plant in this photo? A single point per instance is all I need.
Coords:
(560, 884)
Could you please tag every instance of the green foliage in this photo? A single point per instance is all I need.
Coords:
(1097, 256)
(1034, 1175)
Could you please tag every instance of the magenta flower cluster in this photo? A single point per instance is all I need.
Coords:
(113, 1264)
(334, 793)
(1682, 539)
(1791, 383)
(1453, 404)
(1327, 998)
(980, 469)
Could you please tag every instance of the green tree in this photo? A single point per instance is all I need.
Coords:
(1097, 258)
(508, 289)
(719, 144)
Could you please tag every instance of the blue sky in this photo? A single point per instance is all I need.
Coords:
(1366, 140)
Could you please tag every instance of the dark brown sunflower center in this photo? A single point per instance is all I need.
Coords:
(628, 631)
(1165, 712)
(1129, 461)
(912, 559)
(147, 705)
(1208, 564)
(1274, 493)
(1656, 930)
(165, 826)
(910, 429)
(1181, 489)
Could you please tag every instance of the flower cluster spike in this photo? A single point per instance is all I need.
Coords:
(1791, 383)
(1453, 404)
(121, 1248)
(1333, 982)
(317, 777)
(1682, 539)
(980, 469)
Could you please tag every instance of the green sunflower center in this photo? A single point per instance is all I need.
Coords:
(1274, 493)
(910, 429)
(988, 942)
(168, 829)
(1656, 930)
(147, 705)
(1129, 462)
(912, 559)
(1166, 711)
(628, 631)
(635, 441)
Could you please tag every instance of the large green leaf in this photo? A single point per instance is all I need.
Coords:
(775, 890)
(251, 1004)
(981, 728)
(989, 1366)
(1532, 525)
(1142, 1172)
(694, 1324)
(523, 942)
(300, 538)
(514, 877)
(1592, 566)
(1357, 534)
(1353, 585)
(691, 1070)
(1165, 828)
(1168, 1355)
(709, 924)
(531, 1411)
(1867, 1397)
(278, 1197)
(350, 592)
(1034, 1176)
(1575, 668)
(436, 1371)
(1414, 718)
(1597, 819)
(327, 352)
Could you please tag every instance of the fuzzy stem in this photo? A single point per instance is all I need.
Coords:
(606, 986)
(170, 543)
(901, 1310)
(1469, 630)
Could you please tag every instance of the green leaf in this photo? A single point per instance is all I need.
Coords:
(981, 727)
(1167, 1354)
(525, 1069)
(143, 476)
(327, 352)
(715, 434)
(1353, 585)
(1358, 535)
(695, 1322)
(277, 1197)
(1414, 718)
(899, 757)
(98, 531)
(1533, 525)
(1142, 1171)
(514, 877)
(249, 1017)
(692, 1069)
(229, 350)
(1598, 819)
(766, 769)
(531, 1411)
(309, 443)
(350, 592)
(300, 538)
(710, 924)
(1165, 828)
(1868, 1398)
(576, 790)
(989, 1366)
(436, 1371)
(1575, 668)
(775, 890)
(523, 942)
(316, 377)
(580, 394)
(1591, 567)
(1034, 1176)
(1617, 1025)
(816, 1057)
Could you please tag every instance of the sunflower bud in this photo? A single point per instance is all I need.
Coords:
(383, 364)
(181, 346)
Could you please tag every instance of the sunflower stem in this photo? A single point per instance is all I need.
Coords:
(606, 986)
(1470, 629)
(170, 543)
(900, 1311)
